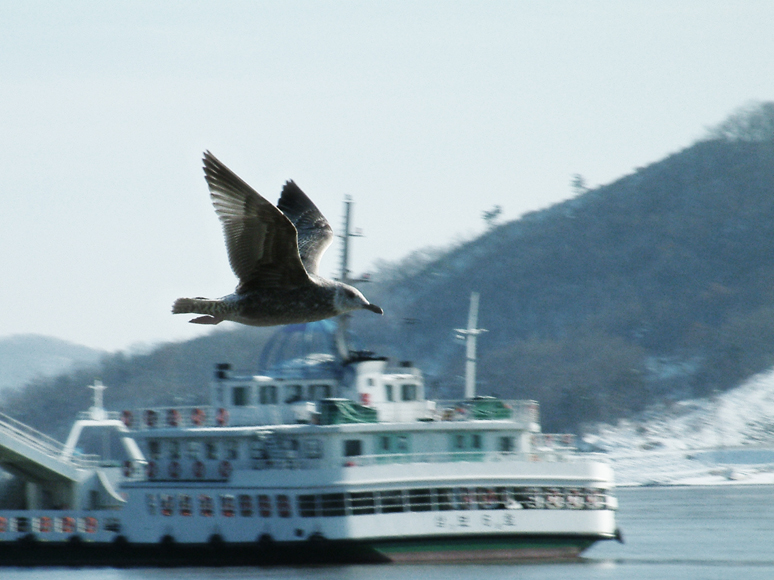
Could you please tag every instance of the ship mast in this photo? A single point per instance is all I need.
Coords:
(343, 320)
(471, 335)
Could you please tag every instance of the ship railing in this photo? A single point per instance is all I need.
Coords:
(488, 408)
(553, 456)
(42, 443)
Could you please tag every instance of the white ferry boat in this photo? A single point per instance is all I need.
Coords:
(314, 460)
(326, 455)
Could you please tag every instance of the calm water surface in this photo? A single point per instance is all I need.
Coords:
(701, 533)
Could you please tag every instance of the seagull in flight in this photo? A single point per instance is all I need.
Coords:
(275, 252)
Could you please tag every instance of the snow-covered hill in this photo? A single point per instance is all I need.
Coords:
(728, 438)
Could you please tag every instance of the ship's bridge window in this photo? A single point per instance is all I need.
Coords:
(319, 392)
(211, 448)
(174, 449)
(313, 448)
(408, 392)
(389, 395)
(268, 395)
(294, 393)
(506, 445)
(353, 447)
(193, 449)
(239, 396)
(154, 449)
(232, 449)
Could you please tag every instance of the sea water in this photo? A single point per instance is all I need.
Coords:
(670, 533)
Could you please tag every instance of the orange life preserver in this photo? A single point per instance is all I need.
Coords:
(44, 524)
(173, 417)
(199, 469)
(174, 470)
(197, 417)
(150, 470)
(365, 399)
(222, 416)
(126, 417)
(3, 525)
(224, 469)
(68, 525)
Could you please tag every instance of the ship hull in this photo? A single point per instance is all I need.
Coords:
(502, 548)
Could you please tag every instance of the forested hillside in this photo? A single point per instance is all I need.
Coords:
(656, 287)
(659, 285)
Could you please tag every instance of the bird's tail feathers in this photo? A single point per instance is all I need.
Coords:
(198, 306)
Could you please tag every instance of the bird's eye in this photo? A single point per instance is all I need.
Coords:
(350, 294)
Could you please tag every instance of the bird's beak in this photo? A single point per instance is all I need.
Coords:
(373, 308)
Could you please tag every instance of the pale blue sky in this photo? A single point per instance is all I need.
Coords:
(427, 113)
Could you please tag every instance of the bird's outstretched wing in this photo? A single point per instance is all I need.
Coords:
(261, 242)
(314, 231)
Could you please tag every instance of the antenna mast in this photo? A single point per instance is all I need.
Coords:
(471, 335)
(343, 320)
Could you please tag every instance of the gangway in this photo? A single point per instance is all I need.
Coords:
(35, 456)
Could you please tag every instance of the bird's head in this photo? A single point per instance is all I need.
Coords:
(348, 298)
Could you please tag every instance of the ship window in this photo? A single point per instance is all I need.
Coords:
(476, 441)
(227, 505)
(463, 498)
(150, 503)
(205, 506)
(232, 449)
(264, 506)
(408, 392)
(489, 498)
(294, 394)
(283, 506)
(194, 448)
(239, 396)
(185, 503)
(167, 503)
(332, 504)
(353, 447)
(420, 500)
(388, 393)
(307, 506)
(506, 444)
(268, 395)
(313, 448)
(257, 450)
(459, 442)
(391, 501)
(401, 444)
(154, 449)
(384, 443)
(174, 449)
(212, 449)
(443, 498)
(245, 506)
(319, 392)
(362, 503)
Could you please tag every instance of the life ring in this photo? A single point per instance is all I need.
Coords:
(44, 524)
(173, 417)
(365, 399)
(3, 525)
(174, 470)
(68, 525)
(197, 417)
(151, 470)
(128, 469)
(264, 506)
(199, 469)
(90, 525)
(222, 416)
(224, 469)
(127, 419)
(151, 417)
